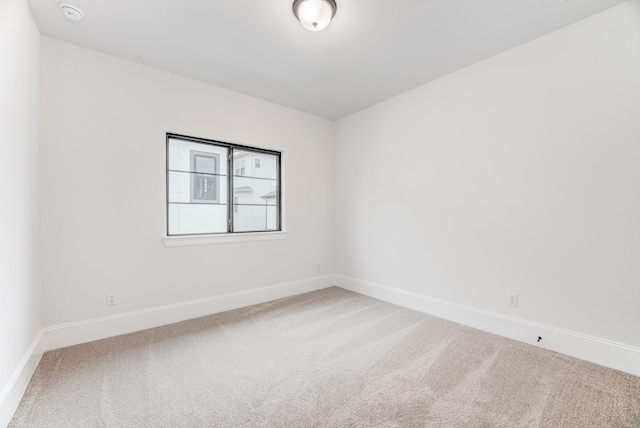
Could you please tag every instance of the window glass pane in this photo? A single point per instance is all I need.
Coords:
(197, 157)
(188, 219)
(247, 163)
(255, 191)
(254, 218)
(197, 188)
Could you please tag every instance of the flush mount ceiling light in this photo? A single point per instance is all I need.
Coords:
(71, 12)
(314, 15)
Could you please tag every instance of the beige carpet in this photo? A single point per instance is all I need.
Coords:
(330, 358)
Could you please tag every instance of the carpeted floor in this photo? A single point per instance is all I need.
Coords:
(330, 358)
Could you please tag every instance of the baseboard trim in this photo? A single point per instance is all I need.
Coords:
(599, 351)
(13, 391)
(63, 335)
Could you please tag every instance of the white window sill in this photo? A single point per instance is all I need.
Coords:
(226, 238)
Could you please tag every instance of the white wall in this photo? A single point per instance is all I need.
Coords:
(104, 121)
(518, 174)
(19, 219)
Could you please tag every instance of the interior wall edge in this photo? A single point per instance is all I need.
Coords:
(69, 334)
(607, 353)
(12, 392)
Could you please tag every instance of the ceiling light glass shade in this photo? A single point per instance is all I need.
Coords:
(314, 15)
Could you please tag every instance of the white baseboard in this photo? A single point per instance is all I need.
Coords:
(599, 351)
(13, 391)
(60, 336)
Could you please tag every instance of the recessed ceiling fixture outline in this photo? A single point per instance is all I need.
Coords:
(314, 15)
(71, 12)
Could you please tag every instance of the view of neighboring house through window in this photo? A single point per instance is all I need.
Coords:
(256, 190)
(217, 187)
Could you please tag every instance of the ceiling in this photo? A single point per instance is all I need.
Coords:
(372, 50)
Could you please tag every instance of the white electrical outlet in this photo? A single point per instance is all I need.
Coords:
(319, 267)
(512, 299)
(111, 299)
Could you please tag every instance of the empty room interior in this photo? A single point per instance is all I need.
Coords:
(329, 213)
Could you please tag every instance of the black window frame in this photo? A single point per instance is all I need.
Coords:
(230, 179)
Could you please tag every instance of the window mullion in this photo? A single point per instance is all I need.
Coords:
(279, 191)
(230, 191)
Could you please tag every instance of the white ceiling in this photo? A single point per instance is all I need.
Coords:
(373, 49)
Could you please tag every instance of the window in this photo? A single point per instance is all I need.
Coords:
(211, 191)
